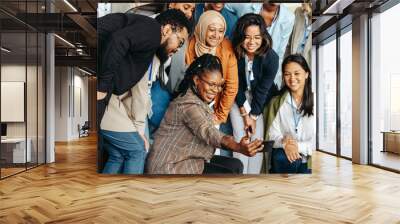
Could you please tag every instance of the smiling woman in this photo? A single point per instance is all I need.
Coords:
(257, 66)
(290, 120)
(239, 88)
(189, 116)
(209, 39)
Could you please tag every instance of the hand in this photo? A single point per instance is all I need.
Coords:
(252, 124)
(291, 149)
(288, 139)
(101, 95)
(248, 122)
(250, 148)
(146, 143)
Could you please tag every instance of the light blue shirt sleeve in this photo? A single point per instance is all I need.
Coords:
(240, 9)
(280, 32)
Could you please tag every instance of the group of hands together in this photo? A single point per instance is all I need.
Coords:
(250, 148)
(247, 147)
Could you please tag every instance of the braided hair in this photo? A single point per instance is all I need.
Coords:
(200, 66)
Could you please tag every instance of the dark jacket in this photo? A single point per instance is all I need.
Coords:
(127, 44)
(264, 70)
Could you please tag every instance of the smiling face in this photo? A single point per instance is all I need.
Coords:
(186, 8)
(253, 39)
(209, 85)
(295, 77)
(215, 6)
(174, 39)
(215, 34)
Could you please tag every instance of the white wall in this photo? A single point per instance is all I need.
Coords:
(80, 83)
(33, 126)
(69, 82)
(15, 73)
(61, 103)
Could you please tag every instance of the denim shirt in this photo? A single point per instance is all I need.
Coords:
(240, 9)
(280, 31)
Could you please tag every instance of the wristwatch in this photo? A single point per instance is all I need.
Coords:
(254, 117)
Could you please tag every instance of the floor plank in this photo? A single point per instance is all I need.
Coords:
(70, 191)
(386, 159)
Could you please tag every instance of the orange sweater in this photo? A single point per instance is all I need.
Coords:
(224, 100)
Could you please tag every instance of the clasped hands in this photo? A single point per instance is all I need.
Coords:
(291, 148)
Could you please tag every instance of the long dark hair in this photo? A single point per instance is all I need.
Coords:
(307, 103)
(200, 66)
(239, 34)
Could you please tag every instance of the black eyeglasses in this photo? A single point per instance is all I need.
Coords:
(175, 30)
(218, 87)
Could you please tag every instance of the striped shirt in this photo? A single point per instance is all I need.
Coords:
(185, 139)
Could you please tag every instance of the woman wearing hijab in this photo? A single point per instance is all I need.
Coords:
(209, 39)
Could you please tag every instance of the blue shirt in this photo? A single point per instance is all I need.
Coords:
(280, 31)
(240, 9)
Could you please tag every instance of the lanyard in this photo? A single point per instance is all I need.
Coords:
(149, 84)
(296, 119)
(150, 71)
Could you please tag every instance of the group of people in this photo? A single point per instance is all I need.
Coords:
(199, 88)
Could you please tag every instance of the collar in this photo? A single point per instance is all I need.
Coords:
(211, 104)
(288, 100)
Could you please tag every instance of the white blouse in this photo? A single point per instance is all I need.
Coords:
(249, 79)
(285, 124)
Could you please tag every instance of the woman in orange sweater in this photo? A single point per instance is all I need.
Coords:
(209, 39)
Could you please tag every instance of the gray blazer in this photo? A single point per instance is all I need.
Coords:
(297, 37)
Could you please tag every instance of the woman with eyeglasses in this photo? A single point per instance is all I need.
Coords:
(186, 140)
(257, 67)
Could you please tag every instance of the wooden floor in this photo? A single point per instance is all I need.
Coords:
(5, 172)
(387, 159)
(70, 191)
